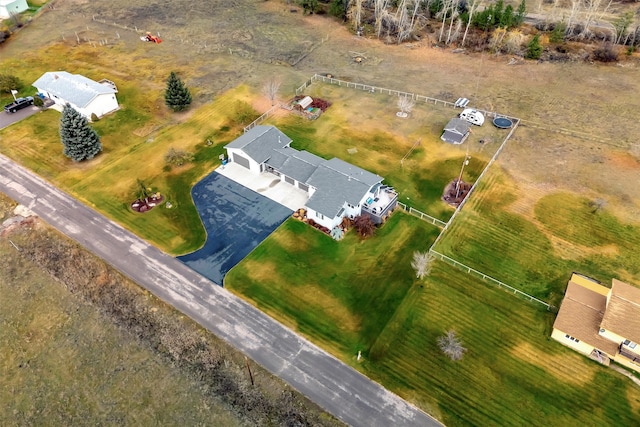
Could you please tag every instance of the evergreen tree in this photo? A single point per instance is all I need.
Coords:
(520, 14)
(177, 96)
(80, 141)
(534, 49)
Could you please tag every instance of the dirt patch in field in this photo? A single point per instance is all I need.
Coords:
(569, 368)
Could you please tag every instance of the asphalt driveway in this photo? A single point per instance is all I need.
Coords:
(7, 119)
(237, 219)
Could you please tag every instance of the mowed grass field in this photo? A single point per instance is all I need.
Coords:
(62, 364)
(532, 235)
(512, 373)
(340, 294)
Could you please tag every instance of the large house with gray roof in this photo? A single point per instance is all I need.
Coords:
(85, 95)
(336, 189)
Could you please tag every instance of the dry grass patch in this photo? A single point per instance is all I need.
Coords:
(565, 366)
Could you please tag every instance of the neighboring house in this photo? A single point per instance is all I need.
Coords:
(599, 322)
(12, 7)
(336, 189)
(456, 131)
(83, 94)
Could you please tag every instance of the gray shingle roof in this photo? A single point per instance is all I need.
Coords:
(455, 131)
(260, 142)
(335, 180)
(73, 88)
(298, 165)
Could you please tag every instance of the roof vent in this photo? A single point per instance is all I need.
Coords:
(55, 76)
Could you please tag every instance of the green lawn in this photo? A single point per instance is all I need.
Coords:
(341, 294)
(351, 295)
(512, 373)
(537, 253)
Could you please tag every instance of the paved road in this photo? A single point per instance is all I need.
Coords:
(334, 386)
(7, 119)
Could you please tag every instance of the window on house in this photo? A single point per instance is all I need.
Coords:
(629, 344)
(569, 337)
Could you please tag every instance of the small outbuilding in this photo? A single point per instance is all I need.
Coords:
(85, 95)
(305, 102)
(12, 7)
(456, 131)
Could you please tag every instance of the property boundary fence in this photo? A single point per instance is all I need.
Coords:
(489, 279)
(260, 119)
(423, 216)
(382, 90)
(475, 184)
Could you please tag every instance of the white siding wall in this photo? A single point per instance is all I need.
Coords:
(17, 6)
(581, 346)
(101, 105)
(323, 220)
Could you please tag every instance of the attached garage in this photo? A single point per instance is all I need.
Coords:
(242, 161)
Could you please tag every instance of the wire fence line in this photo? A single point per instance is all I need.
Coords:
(489, 279)
(422, 215)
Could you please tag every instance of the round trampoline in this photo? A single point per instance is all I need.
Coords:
(502, 122)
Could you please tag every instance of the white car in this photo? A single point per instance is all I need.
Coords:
(474, 117)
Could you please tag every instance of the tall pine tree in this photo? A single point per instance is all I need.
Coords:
(177, 96)
(80, 141)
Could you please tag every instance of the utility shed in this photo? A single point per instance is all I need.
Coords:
(456, 131)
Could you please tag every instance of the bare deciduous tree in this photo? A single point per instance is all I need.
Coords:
(597, 205)
(451, 345)
(422, 263)
(473, 6)
(270, 89)
(405, 104)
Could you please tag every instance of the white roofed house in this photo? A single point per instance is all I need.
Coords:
(336, 189)
(12, 7)
(85, 95)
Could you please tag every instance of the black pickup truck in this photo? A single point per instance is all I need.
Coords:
(18, 104)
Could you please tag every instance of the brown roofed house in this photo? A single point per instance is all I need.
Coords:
(599, 322)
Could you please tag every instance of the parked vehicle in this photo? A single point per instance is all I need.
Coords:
(474, 117)
(18, 104)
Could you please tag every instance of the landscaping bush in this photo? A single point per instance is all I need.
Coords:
(177, 157)
(606, 53)
(38, 102)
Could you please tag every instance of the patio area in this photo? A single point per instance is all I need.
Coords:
(266, 184)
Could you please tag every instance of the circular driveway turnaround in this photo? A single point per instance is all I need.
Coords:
(237, 219)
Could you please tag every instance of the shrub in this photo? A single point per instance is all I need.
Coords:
(364, 225)
(606, 53)
(94, 117)
(9, 82)
(38, 102)
(177, 157)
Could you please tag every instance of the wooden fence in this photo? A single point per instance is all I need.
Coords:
(423, 216)
(375, 89)
(260, 119)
